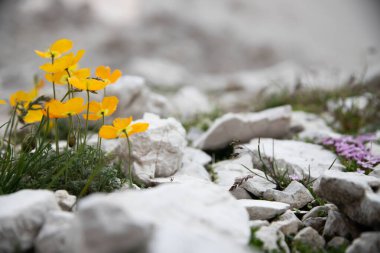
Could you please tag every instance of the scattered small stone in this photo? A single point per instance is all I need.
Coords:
(318, 211)
(356, 195)
(318, 223)
(368, 242)
(272, 239)
(262, 209)
(240, 193)
(257, 185)
(296, 195)
(65, 200)
(287, 223)
(338, 224)
(338, 242)
(254, 224)
(310, 238)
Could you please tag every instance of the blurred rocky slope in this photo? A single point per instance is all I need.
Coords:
(196, 42)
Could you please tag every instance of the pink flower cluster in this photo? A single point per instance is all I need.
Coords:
(354, 148)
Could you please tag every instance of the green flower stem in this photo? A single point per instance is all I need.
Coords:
(129, 160)
(69, 132)
(88, 109)
(56, 136)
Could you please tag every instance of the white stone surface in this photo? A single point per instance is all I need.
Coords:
(356, 195)
(295, 156)
(135, 98)
(189, 102)
(313, 126)
(262, 209)
(287, 223)
(22, 215)
(272, 238)
(53, 237)
(159, 151)
(245, 126)
(65, 200)
(295, 194)
(188, 217)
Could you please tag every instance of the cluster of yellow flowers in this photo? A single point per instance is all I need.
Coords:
(63, 69)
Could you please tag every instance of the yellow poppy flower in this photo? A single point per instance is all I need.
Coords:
(90, 84)
(33, 116)
(104, 72)
(23, 97)
(60, 78)
(56, 49)
(63, 63)
(3, 102)
(58, 109)
(121, 128)
(106, 108)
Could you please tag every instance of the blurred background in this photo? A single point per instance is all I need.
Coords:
(182, 42)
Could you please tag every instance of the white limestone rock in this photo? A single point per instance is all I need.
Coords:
(22, 215)
(53, 237)
(311, 126)
(273, 239)
(160, 73)
(295, 194)
(368, 242)
(310, 238)
(262, 209)
(356, 195)
(65, 200)
(272, 123)
(257, 185)
(295, 156)
(159, 151)
(287, 223)
(189, 218)
(135, 98)
(189, 102)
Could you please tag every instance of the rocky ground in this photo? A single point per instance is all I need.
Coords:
(206, 181)
(280, 156)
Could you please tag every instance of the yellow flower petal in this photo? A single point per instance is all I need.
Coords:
(74, 106)
(115, 75)
(42, 54)
(110, 104)
(61, 46)
(122, 123)
(92, 116)
(108, 132)
(3, 102)
(138, 127)
(33, 116)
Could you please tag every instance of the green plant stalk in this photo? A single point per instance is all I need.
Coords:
(87, 112)
(69, 132)
(129, 160)
(56, 136)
